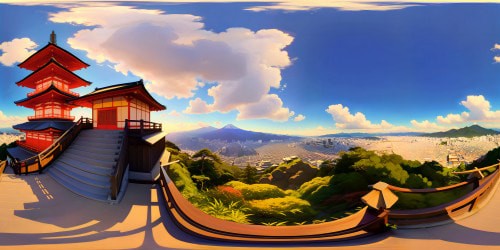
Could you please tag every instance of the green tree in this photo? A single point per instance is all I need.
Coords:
(249, 175)
(200, 179)
(205, 155)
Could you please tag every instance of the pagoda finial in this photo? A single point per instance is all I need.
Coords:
(53, 38)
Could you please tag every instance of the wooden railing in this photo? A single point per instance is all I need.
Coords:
(121, 165)
(3, 164)
(195, 222)
(62, 117)
(143, 127)
(38, 162)
(450, 210)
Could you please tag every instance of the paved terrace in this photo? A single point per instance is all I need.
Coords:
(38, 213)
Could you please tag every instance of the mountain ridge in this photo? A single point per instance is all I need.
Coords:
(469, 131)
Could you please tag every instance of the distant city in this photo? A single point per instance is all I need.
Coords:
(242, 147)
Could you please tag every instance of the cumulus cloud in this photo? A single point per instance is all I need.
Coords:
(174, 53)
(270, 106)
(299, 118)
(16, 50)
(8, 121)
(479, 110)
(197, 106)
(345, 120)
(425, 125)
(353, 5)
(496, 59)
(496, 47)
(174, 113)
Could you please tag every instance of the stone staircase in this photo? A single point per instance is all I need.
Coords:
(86, 166)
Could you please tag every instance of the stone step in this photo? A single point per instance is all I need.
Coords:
(90, 161)
(98, 138)
(90, 144)
(94, 153)
(85, 166)
(79, 188)
(89, 178)
(104, 151)
(103, 133)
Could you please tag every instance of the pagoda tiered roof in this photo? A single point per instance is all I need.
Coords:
(51, 93)
(135, 89)
(44, 125)
(51, 50)
(53, 69)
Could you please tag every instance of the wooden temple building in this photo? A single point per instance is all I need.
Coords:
(90, 156)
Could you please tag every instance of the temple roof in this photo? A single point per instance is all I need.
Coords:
(20, 153)
(51, 93)
(135, 89)
(53, 68)
(51, 50)
(43, 125)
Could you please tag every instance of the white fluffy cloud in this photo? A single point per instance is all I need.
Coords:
(174, 113)
(496, 47)
(16, 50)
(299, 118)
(9, 121)
(345, 120)
(425, 125)
(269, 106)
(496, 59)
(174, 53)
(197, 106)
(479, 110)
(290, 5)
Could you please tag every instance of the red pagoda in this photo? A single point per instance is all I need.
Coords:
(52, 80)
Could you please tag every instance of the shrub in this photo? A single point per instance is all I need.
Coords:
(290, 209)
(182, 179)
(313, 185)
(225, 194)
(233, 211)
(257, 191)
(348, 183)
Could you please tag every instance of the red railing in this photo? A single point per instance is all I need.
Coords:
(36, 117)
(48, 86)
(38, 162)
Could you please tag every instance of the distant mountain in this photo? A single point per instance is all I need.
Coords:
(216, 139)
(190, 133)
(471, 131)
(368, 135)
(9, 131)
(231, 133)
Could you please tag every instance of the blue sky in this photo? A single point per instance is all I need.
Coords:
(304, 67)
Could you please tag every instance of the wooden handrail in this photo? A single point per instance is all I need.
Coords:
(148, 125)
(430, 190)
(38, 162)
(121, 165)
(448, 211)
(195, 222)
(478, 169)
(3, 164)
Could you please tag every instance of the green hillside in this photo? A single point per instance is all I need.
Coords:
(471, 131)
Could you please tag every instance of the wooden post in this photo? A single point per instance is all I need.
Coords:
(40, 167)
(380, 197)
(142, 127)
